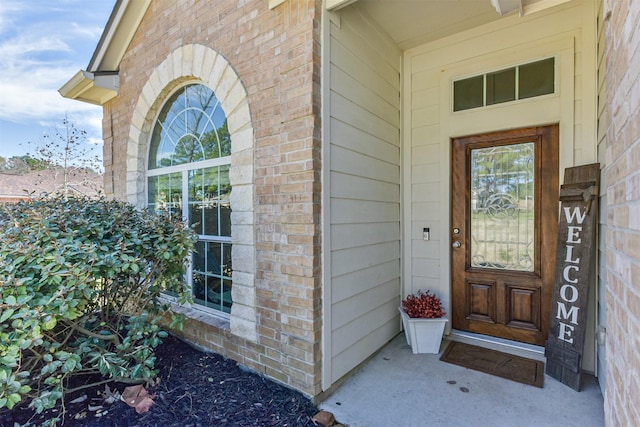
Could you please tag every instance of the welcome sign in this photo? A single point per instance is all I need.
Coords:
(574, 270)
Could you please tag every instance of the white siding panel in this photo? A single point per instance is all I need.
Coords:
(425, 267)
(426, 211)
(356, 282)
(346, 310)
(427, 79)
(427, 116)
(426, 173)
(350, 63)
(351, 331)
(353, 235)
(425, 98)
(355, 163)
(364, 193)
(424, 154)
(434, 284)
(426, 135)
(375, 51)
(344, 362)
(426, 249)
(357, 116)
(353, 88)
(344, 135)
(353, 259)
(427, 192)
(358, 188)
(354, 211)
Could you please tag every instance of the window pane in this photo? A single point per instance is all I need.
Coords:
(191, 127)
(165, 192)
(209, 206)
(467, 93)
(188, 150)
(212, 270)
(224, 188)
(501, 86)
(537, 78)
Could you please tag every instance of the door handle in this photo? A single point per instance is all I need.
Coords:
(456, 244)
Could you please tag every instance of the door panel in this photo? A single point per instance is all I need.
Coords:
(504, 232)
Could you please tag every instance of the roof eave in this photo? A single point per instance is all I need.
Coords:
(117, 35)
(94, 88)
(99, 83)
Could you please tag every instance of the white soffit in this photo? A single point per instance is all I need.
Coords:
(411, 23)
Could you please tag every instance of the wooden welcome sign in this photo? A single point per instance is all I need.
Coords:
(574, 269)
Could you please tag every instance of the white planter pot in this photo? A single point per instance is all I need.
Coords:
(423, 335)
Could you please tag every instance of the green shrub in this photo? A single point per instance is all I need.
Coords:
(81, 285)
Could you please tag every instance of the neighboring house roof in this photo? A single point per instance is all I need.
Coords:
(50, 181)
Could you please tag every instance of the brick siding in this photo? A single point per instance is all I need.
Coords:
(276, 55)
(623, 213)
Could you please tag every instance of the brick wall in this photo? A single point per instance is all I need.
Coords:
(622, 391)
(276, 55)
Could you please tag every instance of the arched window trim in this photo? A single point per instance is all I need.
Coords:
(199, 63)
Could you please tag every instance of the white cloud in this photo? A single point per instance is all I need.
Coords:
(42, 45)
(88, 31)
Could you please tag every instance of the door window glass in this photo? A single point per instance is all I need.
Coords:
(502, 207)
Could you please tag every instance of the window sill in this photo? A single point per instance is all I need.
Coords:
(209, 318)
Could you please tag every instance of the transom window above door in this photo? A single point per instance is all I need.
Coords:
(510, 84)
(188, 175)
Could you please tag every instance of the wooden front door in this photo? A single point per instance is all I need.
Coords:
(504, 232)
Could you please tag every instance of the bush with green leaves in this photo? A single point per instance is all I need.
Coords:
(82, 291)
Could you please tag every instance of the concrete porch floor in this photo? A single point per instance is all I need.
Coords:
(398, 388)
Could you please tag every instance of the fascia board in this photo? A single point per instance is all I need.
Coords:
(338, 4)
(117, 35)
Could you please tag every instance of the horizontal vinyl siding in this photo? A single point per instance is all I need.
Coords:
(426, 182)
(364, 183)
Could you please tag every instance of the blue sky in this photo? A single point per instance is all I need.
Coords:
(43, 43)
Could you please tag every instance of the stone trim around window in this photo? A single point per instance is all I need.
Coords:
(200, 64)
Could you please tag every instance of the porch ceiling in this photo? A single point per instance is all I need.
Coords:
(414, 22)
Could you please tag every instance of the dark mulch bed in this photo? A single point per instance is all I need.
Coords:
(194, 389)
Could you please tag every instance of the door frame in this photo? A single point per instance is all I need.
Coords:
(548, 109)
(429, 123)
(536, 285)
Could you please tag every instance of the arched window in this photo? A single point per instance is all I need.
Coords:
(188, 174)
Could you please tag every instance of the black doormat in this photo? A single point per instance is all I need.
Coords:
(514, 368)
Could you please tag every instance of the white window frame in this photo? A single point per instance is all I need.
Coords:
(196, 63)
